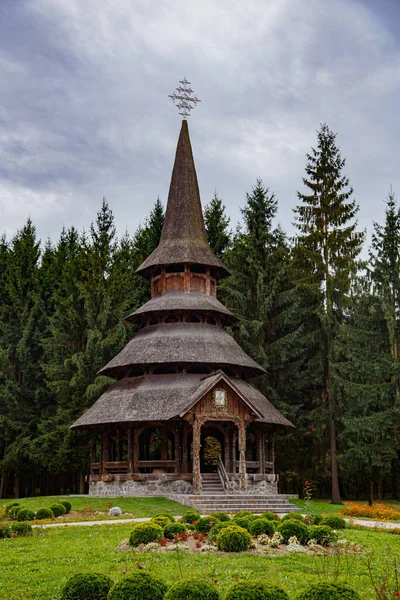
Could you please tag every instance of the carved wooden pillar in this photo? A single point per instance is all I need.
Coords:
(234, 438)
(271, 443)
(242, 454)
(177, 441)
(104, 451)
(135, 450)
(93, 454)
(226, 448)
(120, 433)
(130, 450)
(196, 456)
(262, 455)
(185, 449)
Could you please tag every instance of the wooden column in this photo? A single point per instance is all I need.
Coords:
(130, 450)
(196, 457)
(242, 455)
(262, 455)
(178, 451)
(226, 449)
(271, 444)
(185, 449)
(103, 452)
(135, 450)
(234, 438)
(120, 433)
(164, 443)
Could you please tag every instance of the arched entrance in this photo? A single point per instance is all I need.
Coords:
(212, 446)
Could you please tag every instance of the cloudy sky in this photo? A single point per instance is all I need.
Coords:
(85, 113)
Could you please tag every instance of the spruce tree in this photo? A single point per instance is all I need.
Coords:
(217, 223)
(326, 255)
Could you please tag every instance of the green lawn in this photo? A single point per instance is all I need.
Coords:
(136, 507)
(319, 506)
(37, 567)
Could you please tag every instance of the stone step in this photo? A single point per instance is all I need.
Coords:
(209, 508)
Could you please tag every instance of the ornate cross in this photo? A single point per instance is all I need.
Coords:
(185, 101)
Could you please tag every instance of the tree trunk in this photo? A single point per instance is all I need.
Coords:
(3, 485)
(370, 493)
(334, 468)
(81, 482)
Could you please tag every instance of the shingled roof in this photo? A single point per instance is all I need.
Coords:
(184, 343)
(183, 301)
(164, 397)
(183, 238)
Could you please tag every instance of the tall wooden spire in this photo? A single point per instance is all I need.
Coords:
(183, 238)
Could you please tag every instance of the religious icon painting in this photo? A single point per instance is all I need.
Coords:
(219, 398)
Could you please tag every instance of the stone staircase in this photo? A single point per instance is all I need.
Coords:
(213, 498)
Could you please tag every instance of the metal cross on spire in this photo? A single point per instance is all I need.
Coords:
(184, 99)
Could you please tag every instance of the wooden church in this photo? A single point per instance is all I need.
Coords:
(182, 419)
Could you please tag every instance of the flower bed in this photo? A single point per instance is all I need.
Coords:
(380, 512)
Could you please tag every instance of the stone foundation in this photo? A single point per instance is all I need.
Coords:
(159, 486)
(262, 485)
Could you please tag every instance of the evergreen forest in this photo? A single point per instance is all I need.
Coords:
(322, 320)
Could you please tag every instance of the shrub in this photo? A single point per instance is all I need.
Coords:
(245, 521)
(190, 516)
(13, 511)
(166, 515)
(44, 513)
(233, 539)
(291, 528)
(335, 522)
(316, 519)
(193, 589)
(214, 531)
(25, 514)
(58, 509)
(243, 513)
(174, 529)
(22, 529)
(87, 586)
(11, 508)
(271, 516)
(259, 526)
(163, 522)
(328, 591)
(322, 534)
(143, 533)
(204, 524)
(66, 504)
(139, 586)
(221, 516)
(247, 590)
(5, 531)
(294, 516)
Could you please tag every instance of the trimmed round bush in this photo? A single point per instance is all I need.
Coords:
(204, 524)
(292, 527)
(271, 516)
(174, 529)
(87, 586)
(25, 514)
(323, 534)
(139, 586)
(214, 531)
(233, 539)
(192, 589)
(44, 513)
(335, 522)
(259, 526)
(14, 510)
(166, 515)
(245, 521)
(328, 591)
(144, 533)
(247, 590)
(221, 516)
(66, 504)
(22, 529)
(58, 509)
(294, 516)
(162, 521)
(316, 519)
(242, 513)
(190, 516)
(5, 531)
(10, 508)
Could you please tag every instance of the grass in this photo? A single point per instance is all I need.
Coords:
(136, 507)
(319, 506)
(36, 568)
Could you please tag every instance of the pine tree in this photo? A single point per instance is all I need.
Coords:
(326, 255)
(217, 223)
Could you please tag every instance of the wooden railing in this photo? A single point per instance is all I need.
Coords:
(223, 475)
